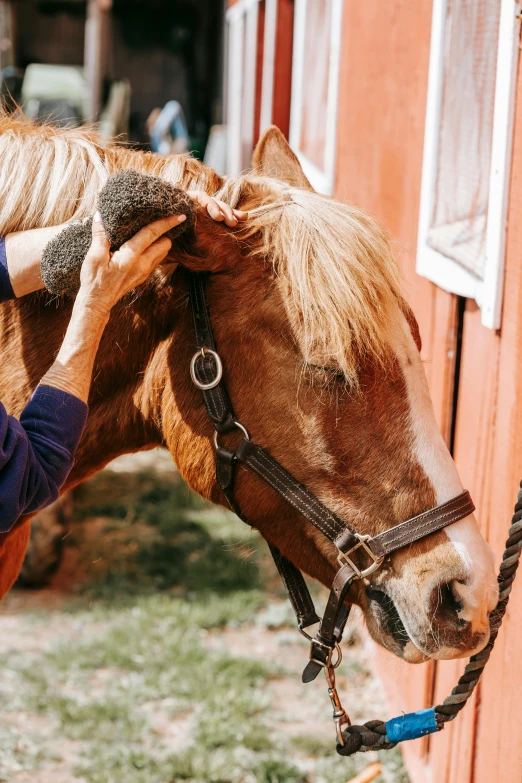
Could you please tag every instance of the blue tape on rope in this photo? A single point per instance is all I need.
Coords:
(411, 726)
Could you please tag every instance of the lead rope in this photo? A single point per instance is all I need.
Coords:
(378, 735)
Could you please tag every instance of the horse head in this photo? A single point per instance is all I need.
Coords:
(321, 358)
(322, 362)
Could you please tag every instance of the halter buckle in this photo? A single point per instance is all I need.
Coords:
(329, 652)
(219, 369)
(344, 559)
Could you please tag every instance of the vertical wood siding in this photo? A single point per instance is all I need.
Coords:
(283, 65)
(382, 100)
(382, 103)
(380, 138)
(498, 750)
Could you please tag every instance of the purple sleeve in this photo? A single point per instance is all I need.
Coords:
(6, 289)
(37, 452)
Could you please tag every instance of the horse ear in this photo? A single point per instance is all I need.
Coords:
(273, 157)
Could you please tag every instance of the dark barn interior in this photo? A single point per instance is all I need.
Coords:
(166, 49)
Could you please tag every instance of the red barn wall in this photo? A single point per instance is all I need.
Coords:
(382, 101)
(380, 135)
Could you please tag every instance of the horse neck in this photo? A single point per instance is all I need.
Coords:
(137, 366)
(125, 400)
(129, 379)
(142, 394)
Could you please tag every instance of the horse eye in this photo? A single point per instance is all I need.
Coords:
(331, 373)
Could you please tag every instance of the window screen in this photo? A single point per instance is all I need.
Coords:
(460, 205)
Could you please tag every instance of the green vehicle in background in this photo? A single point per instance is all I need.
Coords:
(59, 93)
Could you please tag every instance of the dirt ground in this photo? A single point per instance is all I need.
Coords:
(74, 708)
(294, 710)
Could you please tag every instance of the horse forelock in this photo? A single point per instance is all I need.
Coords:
(335, 266)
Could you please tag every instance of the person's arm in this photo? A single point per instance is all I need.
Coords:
(6, 288)
(72, 368)
(37, 453)
(22, 256)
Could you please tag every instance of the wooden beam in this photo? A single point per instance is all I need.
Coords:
(96, 25)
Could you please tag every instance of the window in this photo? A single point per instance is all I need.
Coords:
(315, 76)
(467, 150)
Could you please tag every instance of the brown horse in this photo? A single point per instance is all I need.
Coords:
(321, 356)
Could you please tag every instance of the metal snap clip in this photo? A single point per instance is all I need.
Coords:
(340, 716)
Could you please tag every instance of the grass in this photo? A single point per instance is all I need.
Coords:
(182, 541)
(131, 683)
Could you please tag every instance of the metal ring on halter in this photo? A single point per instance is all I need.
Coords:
(219, 366)
(339, 656)
(325, 664)
(239, 426)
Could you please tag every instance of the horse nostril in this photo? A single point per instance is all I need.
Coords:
(449, 598)
(389, 619)
(456, 606)
(448, 606)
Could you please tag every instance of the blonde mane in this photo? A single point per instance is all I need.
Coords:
(339, 280)
(51, 175)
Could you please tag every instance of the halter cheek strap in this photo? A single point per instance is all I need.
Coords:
(358, 555)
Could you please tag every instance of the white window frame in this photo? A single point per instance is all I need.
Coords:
(322, 181)
(240, 119)
(446, 273)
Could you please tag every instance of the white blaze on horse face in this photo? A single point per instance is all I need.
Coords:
(476, 589)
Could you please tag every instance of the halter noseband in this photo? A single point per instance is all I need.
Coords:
(358, 555)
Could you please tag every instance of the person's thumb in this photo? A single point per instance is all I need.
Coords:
(99, 237)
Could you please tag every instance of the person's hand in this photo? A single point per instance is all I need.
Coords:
(106, 277)
(217, 209)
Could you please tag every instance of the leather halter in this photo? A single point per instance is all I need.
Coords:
(358, 555)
